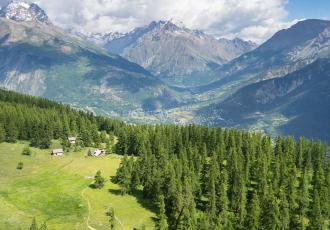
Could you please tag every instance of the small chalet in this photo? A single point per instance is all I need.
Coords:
(57, 152)
(72, 140)
(98, 153)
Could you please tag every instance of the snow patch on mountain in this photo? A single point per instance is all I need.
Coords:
(23, 11)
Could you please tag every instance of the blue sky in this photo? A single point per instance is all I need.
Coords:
(299, 9)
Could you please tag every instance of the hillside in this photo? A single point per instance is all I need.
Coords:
(58, 187)
(40, 59)
(285, 52)
(296, 104)
(174, 177)
(56, 190)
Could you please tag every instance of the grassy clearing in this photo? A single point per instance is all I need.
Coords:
(56, 190)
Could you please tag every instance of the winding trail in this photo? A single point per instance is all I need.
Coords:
(89, 208)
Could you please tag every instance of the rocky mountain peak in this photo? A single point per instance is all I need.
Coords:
(23, 11)
(296, 35)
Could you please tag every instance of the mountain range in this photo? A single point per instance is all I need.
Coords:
(40, 59)
(164, 72)
(175, 53)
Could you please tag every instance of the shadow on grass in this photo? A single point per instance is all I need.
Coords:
(138, 194)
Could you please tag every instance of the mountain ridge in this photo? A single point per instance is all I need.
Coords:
(295, 104)
(174, 52)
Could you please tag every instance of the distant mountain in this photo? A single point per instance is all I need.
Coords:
(22, 11)
(296, 104)
(40, 59)
(99, 38)
(175, 52)
(287, 51)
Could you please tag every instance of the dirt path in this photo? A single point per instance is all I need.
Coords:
(89, 208)
(116, 218)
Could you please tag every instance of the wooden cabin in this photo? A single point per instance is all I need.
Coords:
(57, 152)
(72, 140)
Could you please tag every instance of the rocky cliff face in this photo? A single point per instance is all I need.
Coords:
(22, 11)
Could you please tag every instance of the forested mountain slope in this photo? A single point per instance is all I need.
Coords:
(40, 120)
(198, 177)
(205, 178)
(40, 59)
(297, 104)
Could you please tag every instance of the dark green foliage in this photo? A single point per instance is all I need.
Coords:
(124, 175)
(225, 178)
(112, 218)
(162, 215)
(27, 151)
(2, 133)
(98, 181)
(39, 121)
(206, 178)
(20, 166)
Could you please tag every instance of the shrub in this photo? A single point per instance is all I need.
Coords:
(20, 166)
(27, 151)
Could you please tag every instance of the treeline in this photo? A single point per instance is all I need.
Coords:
(40, 120)
(205, 178)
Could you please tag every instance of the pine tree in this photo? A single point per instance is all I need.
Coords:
(112, 218)
(303, 201)
(224, 219)
(253, 217)
(285, 210)
(317, 221)
(212, 198)
(124, 175)
(162, 215)
(11, 132)
(271, 214)
(2, 133)
(98, 181)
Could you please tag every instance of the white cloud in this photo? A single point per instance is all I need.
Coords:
(250, 19)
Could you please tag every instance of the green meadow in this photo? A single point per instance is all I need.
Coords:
(56, 190)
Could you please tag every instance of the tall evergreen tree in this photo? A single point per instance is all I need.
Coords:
(163, 225)
(253, 216)
(2, 133)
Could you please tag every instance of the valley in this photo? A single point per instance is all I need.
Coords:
(161, 72)
(64, 168)
(164, 115)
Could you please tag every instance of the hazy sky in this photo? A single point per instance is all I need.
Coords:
(254, 20)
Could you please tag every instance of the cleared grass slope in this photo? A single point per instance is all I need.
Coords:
(56, 190)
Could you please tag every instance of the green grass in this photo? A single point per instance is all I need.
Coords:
(55, 189)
